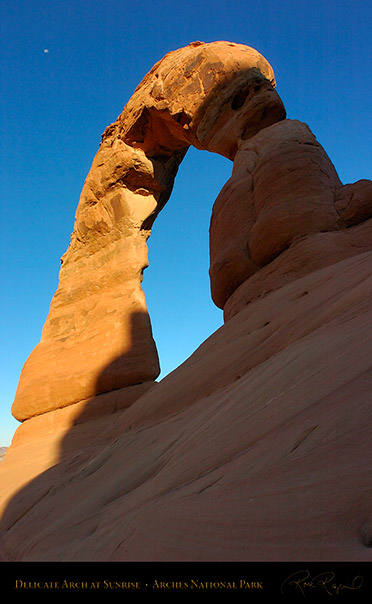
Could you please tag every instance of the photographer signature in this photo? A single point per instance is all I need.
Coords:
(303, 581)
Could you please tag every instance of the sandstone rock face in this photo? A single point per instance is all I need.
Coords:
(258, 446)
(97, 337)
(282, 214)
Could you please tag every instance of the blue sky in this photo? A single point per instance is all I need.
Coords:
(56, 104)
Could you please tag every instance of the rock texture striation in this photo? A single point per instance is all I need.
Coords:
(257, 447)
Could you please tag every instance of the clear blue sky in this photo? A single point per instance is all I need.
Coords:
(56, 104)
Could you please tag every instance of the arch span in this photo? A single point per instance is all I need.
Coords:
(206, 95)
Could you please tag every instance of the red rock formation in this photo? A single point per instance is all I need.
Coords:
(282, 214)
(97, 336)
(257, 447)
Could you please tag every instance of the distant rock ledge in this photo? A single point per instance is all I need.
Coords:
(2, 453)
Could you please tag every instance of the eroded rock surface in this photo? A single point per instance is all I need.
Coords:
(283, 213)
(257, 447)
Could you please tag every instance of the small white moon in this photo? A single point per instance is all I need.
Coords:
(46, 50)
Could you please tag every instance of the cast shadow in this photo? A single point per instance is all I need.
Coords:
(84, 428)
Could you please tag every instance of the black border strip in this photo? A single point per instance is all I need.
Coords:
(284, 581)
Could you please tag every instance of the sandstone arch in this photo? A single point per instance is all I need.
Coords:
(262, 431)
(206, 95)
(282, 214)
